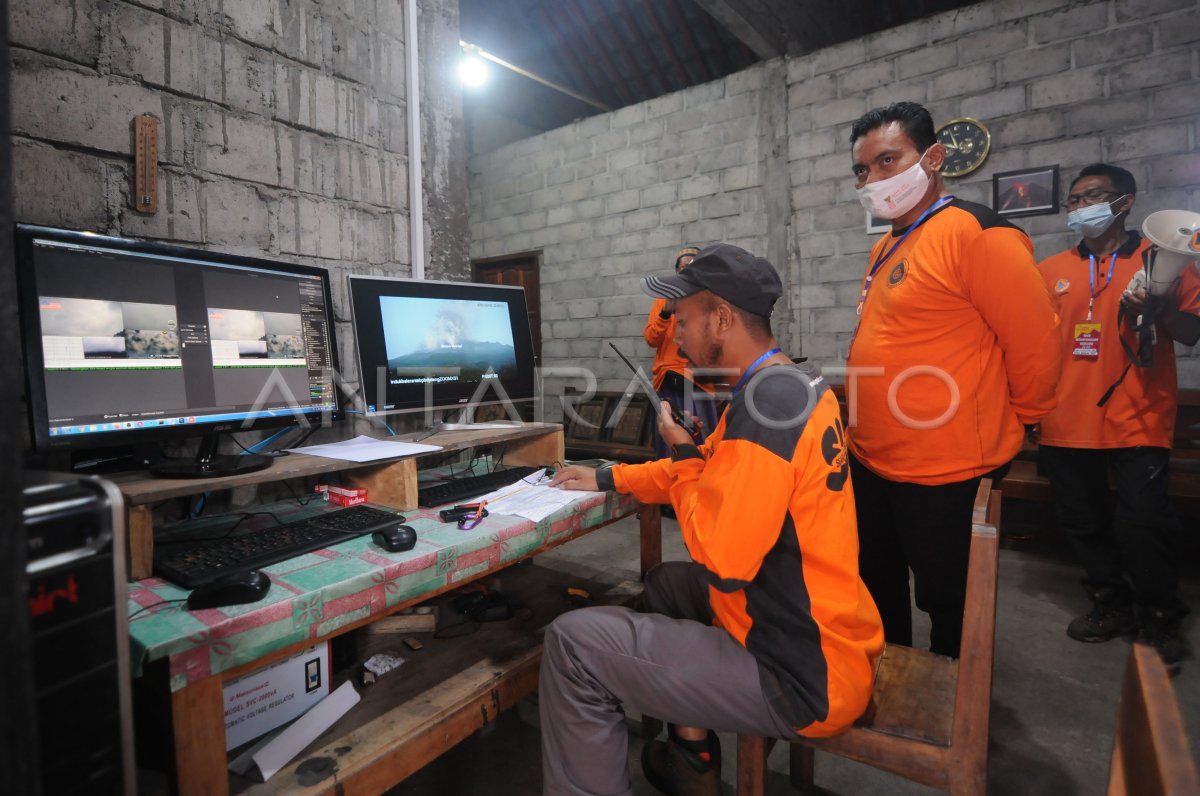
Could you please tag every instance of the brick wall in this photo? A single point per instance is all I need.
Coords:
(1056, 82)
(607, 200)
(282, 128)
(610, 199)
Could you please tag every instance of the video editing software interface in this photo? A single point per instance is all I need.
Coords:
(440, 344)
(139, 340)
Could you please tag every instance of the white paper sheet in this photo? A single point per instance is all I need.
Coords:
(279, 752)
(365, 449)
(532, 498)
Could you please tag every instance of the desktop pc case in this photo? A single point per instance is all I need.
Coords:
(79, 629)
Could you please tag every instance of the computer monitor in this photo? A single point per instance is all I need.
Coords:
(129, 342)
(426, 345)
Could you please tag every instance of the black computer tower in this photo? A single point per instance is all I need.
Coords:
(80, 655)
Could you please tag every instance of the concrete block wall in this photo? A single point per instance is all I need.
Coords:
(1056, 81)
(282, 129)
(607, 199)
(610, 199)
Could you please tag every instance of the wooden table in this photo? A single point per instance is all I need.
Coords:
(330, 592)
(392, 482)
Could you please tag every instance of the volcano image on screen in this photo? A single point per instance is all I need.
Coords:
(112, 329)
(432, 338)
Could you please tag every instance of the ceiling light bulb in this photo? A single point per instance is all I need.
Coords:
(472, 71)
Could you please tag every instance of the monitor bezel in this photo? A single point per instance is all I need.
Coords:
(366, 395)
(35, 384)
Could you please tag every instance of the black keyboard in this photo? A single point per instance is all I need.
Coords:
(192, 565)
(470, 486)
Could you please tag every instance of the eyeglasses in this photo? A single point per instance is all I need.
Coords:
(1094, 196)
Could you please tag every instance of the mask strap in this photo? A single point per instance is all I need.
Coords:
(1114, 201)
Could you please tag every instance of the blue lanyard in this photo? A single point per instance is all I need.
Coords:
(754, 366)
(883, 258)
(1092, 280)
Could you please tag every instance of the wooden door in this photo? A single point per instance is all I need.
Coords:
(520, 270)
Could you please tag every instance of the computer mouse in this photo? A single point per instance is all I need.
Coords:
(396, 539)
(246, 586)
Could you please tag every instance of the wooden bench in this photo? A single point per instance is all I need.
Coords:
(928, 716)
(1150, 755)
(1024, 483)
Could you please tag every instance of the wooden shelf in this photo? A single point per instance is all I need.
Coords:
(440, 695)
(391, 483)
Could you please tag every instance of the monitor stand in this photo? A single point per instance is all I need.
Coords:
(210, 464)
(464, 423)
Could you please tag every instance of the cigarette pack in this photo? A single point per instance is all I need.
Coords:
(341, 495)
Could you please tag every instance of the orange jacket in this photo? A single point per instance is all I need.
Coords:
(1141, 411)
(769, 512)
(956, 348)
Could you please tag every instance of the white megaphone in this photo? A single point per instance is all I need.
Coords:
(1176, 238)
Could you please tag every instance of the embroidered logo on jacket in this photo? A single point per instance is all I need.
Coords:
(898, 273)
(1062, 286)
(833, 448)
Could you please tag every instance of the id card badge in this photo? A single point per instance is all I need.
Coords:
(1087, 341)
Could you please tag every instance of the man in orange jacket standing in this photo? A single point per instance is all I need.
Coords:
(1130, 435)
(954, 355)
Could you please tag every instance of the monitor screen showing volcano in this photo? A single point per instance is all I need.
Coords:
(434, 339)
(425, 345)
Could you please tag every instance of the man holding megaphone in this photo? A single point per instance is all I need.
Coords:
(1123, 301)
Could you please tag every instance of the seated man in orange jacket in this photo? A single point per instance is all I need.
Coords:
(768, 629)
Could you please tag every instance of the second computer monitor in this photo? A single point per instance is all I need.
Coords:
(426, 345)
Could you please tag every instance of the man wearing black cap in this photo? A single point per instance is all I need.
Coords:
(768, 629)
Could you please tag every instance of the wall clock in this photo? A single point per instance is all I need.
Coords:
(967, 142)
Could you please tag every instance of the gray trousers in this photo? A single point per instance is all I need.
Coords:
(670, 663)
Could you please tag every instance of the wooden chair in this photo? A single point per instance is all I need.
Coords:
(1150, 754)
(928, 717)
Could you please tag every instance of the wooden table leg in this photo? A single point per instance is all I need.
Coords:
(651, 528)
(198, 715)
(139, 530)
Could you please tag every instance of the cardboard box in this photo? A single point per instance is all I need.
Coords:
(259, 702)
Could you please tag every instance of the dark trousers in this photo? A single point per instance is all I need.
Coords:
(927, 529)
(1138, 537)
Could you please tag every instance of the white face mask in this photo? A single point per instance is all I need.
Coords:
(898, 194)
(1092, 221)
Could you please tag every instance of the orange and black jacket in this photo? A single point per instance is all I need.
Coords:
(765, 506)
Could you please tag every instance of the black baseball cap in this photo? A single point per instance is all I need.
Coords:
(741, 278)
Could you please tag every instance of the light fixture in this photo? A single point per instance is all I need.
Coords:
(472, 70)
(477, 53)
